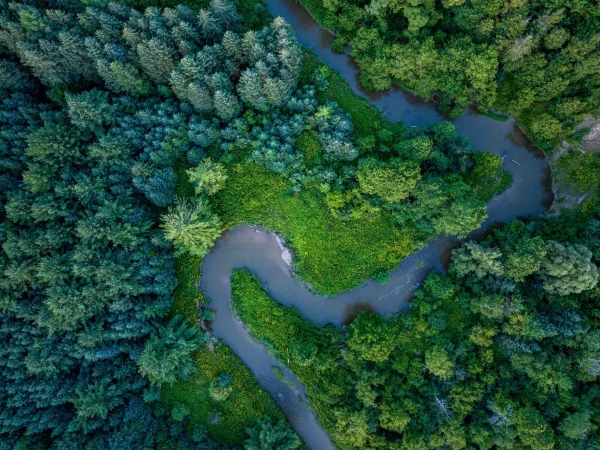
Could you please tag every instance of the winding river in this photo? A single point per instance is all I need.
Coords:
(264, 254)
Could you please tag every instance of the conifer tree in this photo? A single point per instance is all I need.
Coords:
(250, 90)
(89, 110)
(167, 353)
(226, 105)
(123, 77)
(157, 60)
(199, 96)
(191, 227)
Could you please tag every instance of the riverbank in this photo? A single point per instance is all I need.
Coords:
(564, 194)
(298, 212)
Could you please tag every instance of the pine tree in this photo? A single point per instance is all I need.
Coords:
(167, 353)
(210, 26)
(199, 96)
(232, 46)
(208, 177)
(123, 77)
(191, 227)
(225, 12)
(89, 110)
(157, 60)
(12, 78)
(226, 104)
(266, 435)
(75, 57)
(250, 89)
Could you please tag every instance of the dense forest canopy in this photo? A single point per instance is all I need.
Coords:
(129, 140)
(537, 60)
(503, 352)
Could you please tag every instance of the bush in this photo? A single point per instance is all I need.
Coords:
(220, 388)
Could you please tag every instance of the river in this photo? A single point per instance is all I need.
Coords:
(263, 254)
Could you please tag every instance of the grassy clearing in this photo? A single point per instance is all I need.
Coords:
(246, 403)
(333, 255)
(288, 335)
(277, 326)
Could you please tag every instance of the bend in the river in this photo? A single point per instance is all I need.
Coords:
(260, 251)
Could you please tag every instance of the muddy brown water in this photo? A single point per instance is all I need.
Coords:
(259, 251)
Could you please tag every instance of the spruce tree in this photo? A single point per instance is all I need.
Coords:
(199, 96)
(157, 60)
(226, 104)
(89, 110)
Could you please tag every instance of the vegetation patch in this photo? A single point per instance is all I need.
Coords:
(353, 250)
(500, 352)
(227, 420)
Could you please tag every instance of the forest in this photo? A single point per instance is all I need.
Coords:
(536, 60)
(502, 352)
(132, 135)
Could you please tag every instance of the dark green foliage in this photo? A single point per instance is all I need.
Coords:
(392, 181)
(167, 352)
(372, 337)
(87, 273)
(89, 110)
(267, 436)
(85, 278)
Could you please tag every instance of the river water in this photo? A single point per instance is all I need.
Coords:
(263, 254)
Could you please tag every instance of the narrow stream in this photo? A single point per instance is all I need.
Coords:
(260, 251)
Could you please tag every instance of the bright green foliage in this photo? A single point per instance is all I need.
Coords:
(487, 177)
(392, 181)
(524, 257)
(472, 258)
(567, 269)
(533, 429)
(167, 352)
(438, 363)
(308, 144)
(208, 177)
(478, 360)
(490, 53)
(247, 400)
(190, 226)
(303, 351)
(220, 388)
(267, 436)
(462, 215)
(373, 338)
